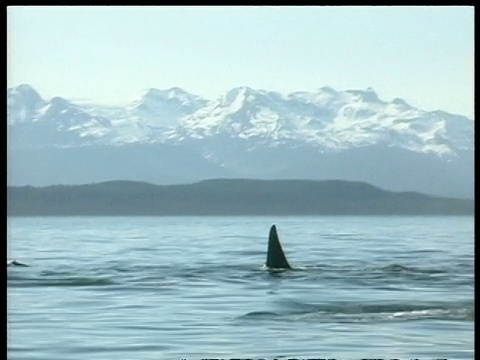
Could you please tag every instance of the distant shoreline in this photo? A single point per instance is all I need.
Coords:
(228, 197)
(240, 215)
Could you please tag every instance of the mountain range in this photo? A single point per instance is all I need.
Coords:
(172, 136)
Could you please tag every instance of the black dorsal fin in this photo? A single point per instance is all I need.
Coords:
(275, 256)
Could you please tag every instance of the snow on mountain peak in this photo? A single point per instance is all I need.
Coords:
(367, 95)
(173, 94)
(326, 119)
(237, 96)
(22, 102)
(164, 108)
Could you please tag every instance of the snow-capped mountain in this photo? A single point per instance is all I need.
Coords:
(166, 108)
(327, 119)
(33, 122)
(22, 103)
(330, 121)
(251, 133)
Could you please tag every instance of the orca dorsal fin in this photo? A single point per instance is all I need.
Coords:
(275, 256)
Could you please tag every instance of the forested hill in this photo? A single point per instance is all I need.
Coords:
(227, 197)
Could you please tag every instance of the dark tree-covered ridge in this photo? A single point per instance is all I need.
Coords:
(227, 197)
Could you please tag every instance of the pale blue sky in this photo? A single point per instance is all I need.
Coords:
(424, 55)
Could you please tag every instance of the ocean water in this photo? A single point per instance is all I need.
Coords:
(195, 288)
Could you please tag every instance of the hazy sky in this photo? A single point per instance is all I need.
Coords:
(424, 55)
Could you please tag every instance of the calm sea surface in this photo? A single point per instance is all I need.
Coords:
(194, 288)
